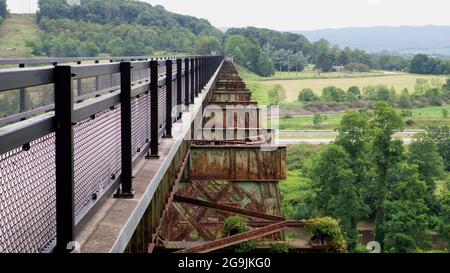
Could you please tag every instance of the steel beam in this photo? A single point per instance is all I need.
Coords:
(236, 239)
(226, 208)
(237, 163)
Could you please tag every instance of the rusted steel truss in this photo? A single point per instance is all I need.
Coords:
(236, 239)
(226, 208)
(232, 170)
(237, 162)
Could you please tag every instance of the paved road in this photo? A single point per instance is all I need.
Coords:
(290, 137)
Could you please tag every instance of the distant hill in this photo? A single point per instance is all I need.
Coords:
(403, 39)
(14, 32)
(119, 27)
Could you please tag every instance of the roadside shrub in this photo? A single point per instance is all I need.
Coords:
(409, 122)
(327, 230)
(356, 67)
(307, 95)
(317, 120)
(235, 225)
(332, 93)
(279, 248)
(407, 113)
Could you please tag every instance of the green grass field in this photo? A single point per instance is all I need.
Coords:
(399, 82)
(317, 81)
(14, 33)
(421, 118)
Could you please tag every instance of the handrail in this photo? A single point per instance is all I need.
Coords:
(148, 96)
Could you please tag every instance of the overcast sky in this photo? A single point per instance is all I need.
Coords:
(300, 14)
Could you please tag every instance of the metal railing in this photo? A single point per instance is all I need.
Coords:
(58, 160)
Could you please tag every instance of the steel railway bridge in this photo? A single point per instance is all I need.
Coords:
(119, 155)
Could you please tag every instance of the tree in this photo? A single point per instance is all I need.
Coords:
(307, 95)
(441, 135)
(317, 120)
(444, 225)
(337, 194)
(353, 134)
(323, 63)
(276, 95)
(332, 93)
(424, 153)
(406, 217)
(3, 9)
(357, 67)
(404, 100)
(207, 45)
(385, 153)
(353, 94)
(249, 55)
(343, 58)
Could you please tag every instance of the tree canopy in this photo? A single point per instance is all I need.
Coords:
(119, 27)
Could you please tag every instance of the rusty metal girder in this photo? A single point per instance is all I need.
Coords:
(236, 239)
(221, 96)
(231, 135)
(237, 162)
(245, 212)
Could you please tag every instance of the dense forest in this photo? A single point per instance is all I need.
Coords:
(119, 27)
(292, 52)
(3, 10)
(368, 175)
(115, 27)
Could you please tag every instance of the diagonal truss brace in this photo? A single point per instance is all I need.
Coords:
(226, 208)
(236, 239)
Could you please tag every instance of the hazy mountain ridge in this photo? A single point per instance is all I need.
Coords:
(403, 39)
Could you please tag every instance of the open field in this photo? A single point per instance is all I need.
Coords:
(398, 81)
(421, 118)
(14, 33)
(317, 81)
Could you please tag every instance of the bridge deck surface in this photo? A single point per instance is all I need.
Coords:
(113, 225)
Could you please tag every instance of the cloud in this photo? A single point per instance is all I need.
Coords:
(374, 3)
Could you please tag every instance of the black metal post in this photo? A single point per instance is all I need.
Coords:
(179, 87)
(197, 75)
(169, 95)
(64, 158)
(192, 75)
(126, 179)
(154, 120)
(97, 79)
(22, 96)
(186, 82)
(78, 84)
(202, 83)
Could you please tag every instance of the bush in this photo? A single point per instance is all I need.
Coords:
(409, 122)
(357, 67)
(327, 230)
(332, 93)
(279, 248)
(407, 113)
(317, 120)
(234, 225)
(307, 95)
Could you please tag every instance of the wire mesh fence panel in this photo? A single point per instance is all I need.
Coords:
(94, 86)
(140, 121)
(162, 106)
(27, 197)
(183, 83)
(140, 75)
(9, 103)
(39, 96)
(174, 99)
(96, 156)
